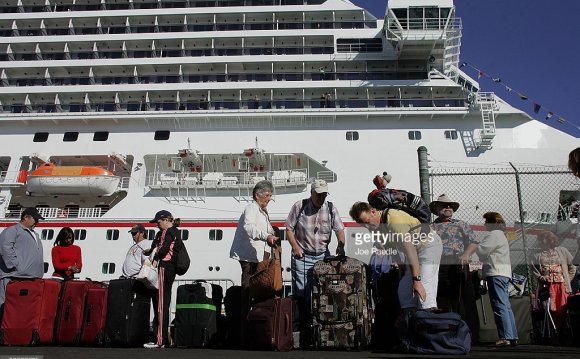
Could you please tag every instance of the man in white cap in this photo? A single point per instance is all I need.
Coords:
(309, 228)
(456, 289)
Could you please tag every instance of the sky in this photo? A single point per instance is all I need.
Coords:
(533, 46)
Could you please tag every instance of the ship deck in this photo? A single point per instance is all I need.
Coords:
(521, 351)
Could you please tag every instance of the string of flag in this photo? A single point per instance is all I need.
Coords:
(536, 106)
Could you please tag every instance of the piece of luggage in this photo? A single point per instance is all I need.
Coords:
(400, 199)
(429, 332)
(29, 312)
(270, 325)
(71, 310)
(573, 317)
(233, 319)
(522, 309)
(93, 331)
(195, 316)
(340, 304)
(128, 313)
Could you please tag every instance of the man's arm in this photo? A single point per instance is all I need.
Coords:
(413, 261)
(8, 240)
(291, 222)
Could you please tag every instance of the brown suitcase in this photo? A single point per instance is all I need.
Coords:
(270, 325)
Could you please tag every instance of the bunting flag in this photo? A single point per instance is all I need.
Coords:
(537, 107)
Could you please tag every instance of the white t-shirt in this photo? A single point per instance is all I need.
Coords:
(135, 258)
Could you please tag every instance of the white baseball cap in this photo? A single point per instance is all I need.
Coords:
(319, 186)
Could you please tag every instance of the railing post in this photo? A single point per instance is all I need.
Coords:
(523, 229)
(424, 173)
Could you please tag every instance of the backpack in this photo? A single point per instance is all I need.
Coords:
(304, 201)
(402, 200)
(182, 258)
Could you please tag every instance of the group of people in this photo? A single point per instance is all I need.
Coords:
(435, 273)
(21, 256)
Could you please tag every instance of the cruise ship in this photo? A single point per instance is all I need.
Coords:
(111, 110)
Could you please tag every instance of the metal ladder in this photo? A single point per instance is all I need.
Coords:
(487, 104)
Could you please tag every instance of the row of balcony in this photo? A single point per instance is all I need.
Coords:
(252, 104)
(150, 4)
(92, 55)
(167, 28)
(160, 79)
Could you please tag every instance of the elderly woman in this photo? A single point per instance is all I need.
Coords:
(254, 231)
(494, 252)
(553, 269)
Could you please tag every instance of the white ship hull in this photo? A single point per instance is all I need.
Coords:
(383, 106)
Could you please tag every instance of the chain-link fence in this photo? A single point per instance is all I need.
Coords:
(531, 200)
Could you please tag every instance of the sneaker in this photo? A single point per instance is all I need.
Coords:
(152, 345)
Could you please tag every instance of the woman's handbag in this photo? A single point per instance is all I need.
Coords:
(148, 274)
(267, 281)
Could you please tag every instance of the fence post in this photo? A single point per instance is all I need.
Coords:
(524, 242)
(424, 174)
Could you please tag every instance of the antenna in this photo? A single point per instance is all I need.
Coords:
(256, 141)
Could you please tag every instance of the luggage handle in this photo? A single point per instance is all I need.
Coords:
(89, 310)
(288, 323)
(335, 258)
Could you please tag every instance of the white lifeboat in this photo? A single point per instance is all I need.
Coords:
(49, 179)
(256, 159)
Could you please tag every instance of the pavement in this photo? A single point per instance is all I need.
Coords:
(521, 351)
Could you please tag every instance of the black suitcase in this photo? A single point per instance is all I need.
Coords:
(233, 319)
(128, 313)
(195, 316)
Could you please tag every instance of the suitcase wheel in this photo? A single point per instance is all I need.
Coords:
(316, 337)
(35, 338)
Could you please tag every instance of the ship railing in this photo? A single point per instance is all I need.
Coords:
(62, 213)
(124, 182)
(10, 179)
(309, 104)
(224, 180)
(328, 176)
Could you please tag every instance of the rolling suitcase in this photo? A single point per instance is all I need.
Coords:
(29, 312)
(270, 325)
(233, 319)
(93, 331)
(195, 316)
(128, 313)
(340, 304)
(71, 310)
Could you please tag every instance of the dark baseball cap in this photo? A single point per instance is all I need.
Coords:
(137, 228)
(160, 215)
(32, 212)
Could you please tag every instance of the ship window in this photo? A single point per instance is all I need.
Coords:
(40, 137)
(162, 135)
(451, 135)
(70, 136)
(215, 234)
(80, 234)
(151, 234)
(112, 234)
(45, 265)
(414, 135)
(47, 234)
(101, 136)
(352, 136)
(184, 233)
(108, 268)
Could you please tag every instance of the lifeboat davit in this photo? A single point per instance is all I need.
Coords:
(49, 179)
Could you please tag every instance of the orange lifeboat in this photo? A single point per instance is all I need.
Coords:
(49, 179)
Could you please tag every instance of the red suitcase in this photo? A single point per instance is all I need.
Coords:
(69, 320)
(270, 325)
(93, 331)
(29, 312)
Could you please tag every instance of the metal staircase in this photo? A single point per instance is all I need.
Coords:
(452, 47)
(487, 104)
